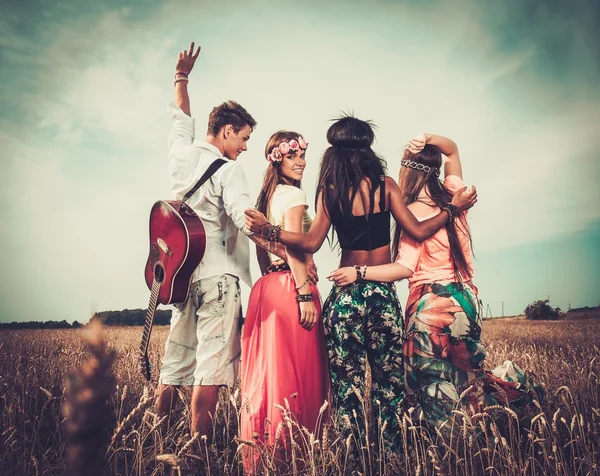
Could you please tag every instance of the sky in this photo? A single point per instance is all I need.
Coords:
(83, 128)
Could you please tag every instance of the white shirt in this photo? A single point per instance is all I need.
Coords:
(219, 203)
(286, 197)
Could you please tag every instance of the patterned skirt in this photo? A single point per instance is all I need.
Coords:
(444, 358)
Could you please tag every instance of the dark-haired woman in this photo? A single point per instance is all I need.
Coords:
(363, 322)
(443, 354)
(284, 361)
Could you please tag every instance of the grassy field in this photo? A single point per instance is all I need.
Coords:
(561, 437)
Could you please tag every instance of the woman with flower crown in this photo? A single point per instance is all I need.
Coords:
(443, 354)
(285, 380)
(363, 322)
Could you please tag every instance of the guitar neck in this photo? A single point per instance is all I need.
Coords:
(150, 317)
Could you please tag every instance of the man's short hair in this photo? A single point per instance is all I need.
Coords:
(229, 112)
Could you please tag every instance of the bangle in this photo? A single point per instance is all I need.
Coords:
(181, 73)
(180, 79)
(303, 284)
(452, 211)
(364, 272)
(305, 297)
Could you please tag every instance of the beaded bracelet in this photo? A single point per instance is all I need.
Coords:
(265, 233)
(273, 233)
(360, 275)
(180, 79)
(452, 212)
(305, 297)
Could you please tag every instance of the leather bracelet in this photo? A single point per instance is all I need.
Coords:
(181, 73)
(305, 297)
(260, 231)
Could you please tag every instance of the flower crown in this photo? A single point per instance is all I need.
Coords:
(279, 151)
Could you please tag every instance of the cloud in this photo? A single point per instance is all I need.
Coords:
(86, 153)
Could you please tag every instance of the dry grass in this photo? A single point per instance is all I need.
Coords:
(561, 437)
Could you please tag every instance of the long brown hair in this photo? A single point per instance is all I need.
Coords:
(273, 176)
(412, 182)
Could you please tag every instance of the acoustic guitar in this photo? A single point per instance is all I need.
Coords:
(177, 245)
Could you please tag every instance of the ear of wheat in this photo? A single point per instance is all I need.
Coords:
(88, 418)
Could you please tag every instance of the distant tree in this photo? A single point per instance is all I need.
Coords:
(132, 317)
(541, 310)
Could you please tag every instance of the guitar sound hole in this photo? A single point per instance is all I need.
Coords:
(159, 273)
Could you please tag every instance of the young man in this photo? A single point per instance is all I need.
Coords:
(203, 347)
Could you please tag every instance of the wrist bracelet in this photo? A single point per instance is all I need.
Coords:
(260, 231)
(181, 73)
(452, 211)
(305, 297)
(303, 284)
(180, 79)
(273, 233)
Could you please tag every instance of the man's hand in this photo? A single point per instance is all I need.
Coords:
(254, 220)
(186, 60)
(465, 199)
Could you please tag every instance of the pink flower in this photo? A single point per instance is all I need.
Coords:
(277, 155)
(302, 143)
(284, 148)
(294, 144)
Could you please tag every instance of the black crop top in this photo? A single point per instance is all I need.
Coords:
(366, 232)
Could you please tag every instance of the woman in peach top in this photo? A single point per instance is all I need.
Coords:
(443, 355)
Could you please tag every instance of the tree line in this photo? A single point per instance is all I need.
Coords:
(126, 317)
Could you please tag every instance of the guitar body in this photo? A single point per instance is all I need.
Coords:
(177, 245)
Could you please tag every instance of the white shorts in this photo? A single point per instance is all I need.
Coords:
(203, 347)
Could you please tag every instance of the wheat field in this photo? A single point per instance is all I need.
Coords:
(67, 407)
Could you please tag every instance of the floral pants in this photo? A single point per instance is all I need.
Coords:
(444, 356)
(363, 322)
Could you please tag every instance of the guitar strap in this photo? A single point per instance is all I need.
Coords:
(208, 174)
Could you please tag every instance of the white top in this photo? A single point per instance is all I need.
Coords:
(219, 203)
(284, 198)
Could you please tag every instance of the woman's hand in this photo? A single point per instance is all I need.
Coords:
(417, 143)
(464, 199)
(343, 276)
(311, 269)
(308, 315)
(254, 220)
(186, 60)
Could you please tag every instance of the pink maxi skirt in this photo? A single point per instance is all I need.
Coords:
(283, 366)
